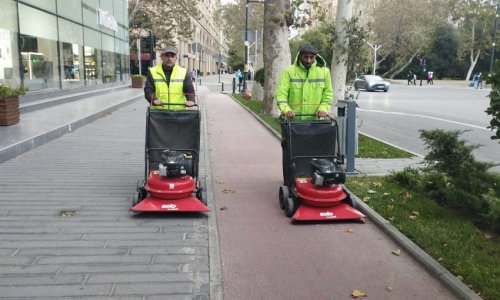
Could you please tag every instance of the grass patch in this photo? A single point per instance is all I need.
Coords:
(452, 240)
(367, 147)
(370, 148)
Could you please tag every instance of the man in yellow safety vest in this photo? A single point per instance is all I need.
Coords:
(169, 86)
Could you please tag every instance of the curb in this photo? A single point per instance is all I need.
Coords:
(215, 277)
(444, 276)
(26, 145)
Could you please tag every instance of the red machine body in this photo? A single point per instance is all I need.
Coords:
(170, 195)
(322, 203)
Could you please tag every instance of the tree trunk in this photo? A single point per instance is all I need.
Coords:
(340, 52)
(473, 61)
(276, 50)
(401, 69)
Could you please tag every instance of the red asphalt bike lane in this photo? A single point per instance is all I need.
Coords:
(265, 256)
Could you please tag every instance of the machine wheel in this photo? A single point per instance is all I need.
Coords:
(283, 195)
(141, 191)
(199, 195)
(290, 207)
(350, 202)
(135, 199)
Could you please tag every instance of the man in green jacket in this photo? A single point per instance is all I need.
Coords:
(305, 88)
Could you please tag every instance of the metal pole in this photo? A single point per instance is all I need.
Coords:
(138, 55)
(351, 137)
(493, 46)
(246, 49)
(219, 67)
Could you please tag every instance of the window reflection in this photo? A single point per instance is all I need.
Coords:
(91, 64)
(108, 67)
(71, 65)
(40, 66)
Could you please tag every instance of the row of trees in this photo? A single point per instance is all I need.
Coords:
(455, 36)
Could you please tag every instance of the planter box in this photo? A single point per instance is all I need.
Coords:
(137, 82)
(9, 110)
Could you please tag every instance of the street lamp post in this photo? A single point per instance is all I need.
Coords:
(493, 45)
(375, 49)
(246, 43)
(246, 50)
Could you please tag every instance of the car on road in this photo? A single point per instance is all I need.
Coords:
(371, 83)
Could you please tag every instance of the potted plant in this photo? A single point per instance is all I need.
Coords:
(9, 104)
(137, 80)
(107, 78)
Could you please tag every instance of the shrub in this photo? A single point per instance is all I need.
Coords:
(453, 177)
(259, 76)
(6, 91)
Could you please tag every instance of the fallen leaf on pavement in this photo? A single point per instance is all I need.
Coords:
(228, 191)
(350, 230)
(68, 213)
(223, 208)
(396, 252)
(358, 294)
(219, 181)
(389, 288)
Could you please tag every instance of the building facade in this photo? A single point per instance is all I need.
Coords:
(50, 45)
(213, 54)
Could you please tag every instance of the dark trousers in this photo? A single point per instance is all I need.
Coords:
(285, 156)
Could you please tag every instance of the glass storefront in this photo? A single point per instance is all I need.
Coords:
(72, 43)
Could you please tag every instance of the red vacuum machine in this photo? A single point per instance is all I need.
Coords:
(171, 182)
(313, 173)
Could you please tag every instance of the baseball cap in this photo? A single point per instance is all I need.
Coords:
(169, 49)
(308, 49)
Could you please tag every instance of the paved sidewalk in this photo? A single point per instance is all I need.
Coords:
(65, 228)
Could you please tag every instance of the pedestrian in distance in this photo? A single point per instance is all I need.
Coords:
(168, 85)
(479, 80)
(414, 79)
(239, 75)
(409, 77)
(475, 81)
(430, 78)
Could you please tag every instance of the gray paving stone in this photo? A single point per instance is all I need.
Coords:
(119, 268)
(141, 277)
(41, 280)
(94, 259)
(164, 288)
(35, 291)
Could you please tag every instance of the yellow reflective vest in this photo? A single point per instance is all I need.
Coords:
(305, 91)
(170, 94)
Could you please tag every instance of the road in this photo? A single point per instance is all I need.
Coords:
(398, 115)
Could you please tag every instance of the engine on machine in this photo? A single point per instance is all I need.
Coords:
(176, 164)
(327, 173)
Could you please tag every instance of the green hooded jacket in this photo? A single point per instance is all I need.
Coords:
(305, 91)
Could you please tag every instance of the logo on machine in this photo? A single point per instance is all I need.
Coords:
(327, 214)
(170, 206)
